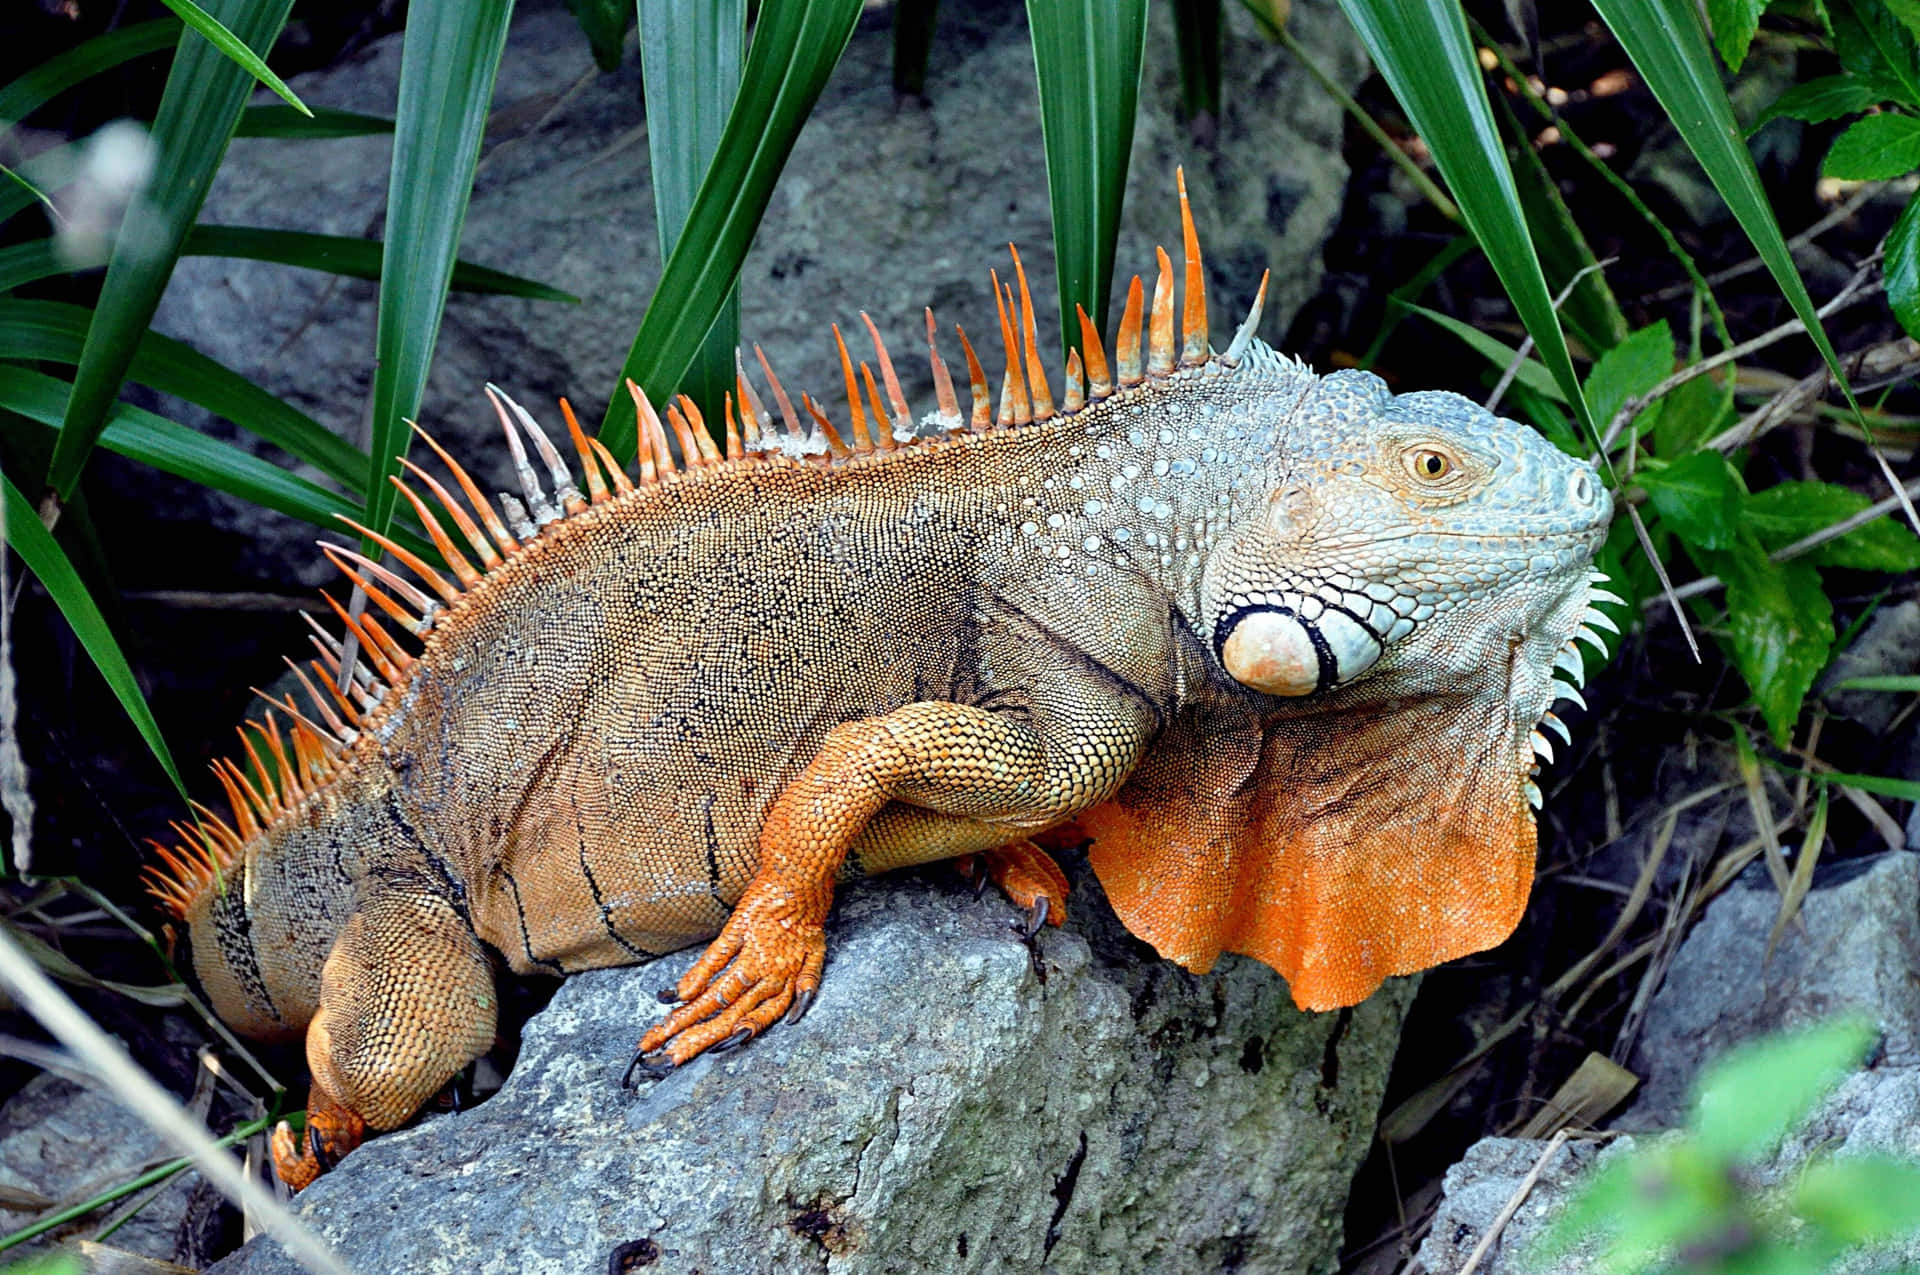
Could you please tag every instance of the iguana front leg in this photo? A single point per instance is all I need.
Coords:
(406, 1001)
(974, 776)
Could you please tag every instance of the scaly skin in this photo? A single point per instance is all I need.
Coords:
(1277, 642)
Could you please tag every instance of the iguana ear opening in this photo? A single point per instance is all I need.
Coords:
(1340, 849)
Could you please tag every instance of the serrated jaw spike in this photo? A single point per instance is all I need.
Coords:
(1598, 619)
(1553, 723)
(1572, 694)
(1599, 577)
(1587, 635)
(1533, 794)
(1602, 595)
(1567, 660)
(1541, 748)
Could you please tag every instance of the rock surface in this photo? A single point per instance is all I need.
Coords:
(939, 1109)
(1859, 952)
(885, 206)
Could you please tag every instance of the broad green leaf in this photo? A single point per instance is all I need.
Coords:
(1087, 56)
(1779, 628)
(605, 23)
(215, 33)
(913, 26)
(1788, 511)
(1827, 98)
(1877, 48)
(1908, 14)
(197, 113)
(1699, 496)
(43, 556)
(168, 445)
(336, 254)
(1630, 369)
(1861, 1199)
(324, 122)
(33, 90)
(1689, 415)
(796, 44)
(1734, 24)
(448, 59)
(55, 331)
(1902, 268)
(1497, 352)
(690, 55)
(1665, 41)
(1422, 50)
(1749, 1099)
(1875, 148)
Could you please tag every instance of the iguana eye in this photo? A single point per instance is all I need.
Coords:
(1428, 464)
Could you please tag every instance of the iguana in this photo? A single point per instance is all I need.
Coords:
(1280, 644)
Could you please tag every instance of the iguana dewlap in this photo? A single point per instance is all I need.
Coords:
(1280, 643)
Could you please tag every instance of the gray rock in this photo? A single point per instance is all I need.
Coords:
(1888, 646)
(939, 1109)
(67, 1143)
(885, 206)
(1859, 952)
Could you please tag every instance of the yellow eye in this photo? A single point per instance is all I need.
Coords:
(1429, 464)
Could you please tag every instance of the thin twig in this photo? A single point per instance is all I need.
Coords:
(1512, 1206)
(1666, 581)
(1795, 244)
(1526, 346)
(1807, 543)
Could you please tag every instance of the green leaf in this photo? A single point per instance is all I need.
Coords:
(1748, 1100)
(336, 254)
(1902, 268)
(605, 22)
(448, 59)
(1087, 56)
(1861, 1199)
(1665, 41)
(690, 54)
(1628, 370)
(1689, 415)
(1881, 785)
(55, 331)
(198, 109)
(168, 445)
(913, 26)
(1903, 683)
(31, 181)
(1734, 24)
(224, 40)
(1197, 28)
(1497, 352)
(33, 90)
(43, 556)
(1788, 511)
(1827, 98)
(1699, 496)
(323, 122)
(1422, 50)
(795, 46)
(1875, 148)
(1877, 48)
(1779, 628)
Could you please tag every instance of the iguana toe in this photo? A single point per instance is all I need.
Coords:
(654, 1066)
(331, 1132)
(1029, 876)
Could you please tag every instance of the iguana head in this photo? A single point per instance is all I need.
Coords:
(1413, 542)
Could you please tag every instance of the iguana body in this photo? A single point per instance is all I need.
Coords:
(1279, 643)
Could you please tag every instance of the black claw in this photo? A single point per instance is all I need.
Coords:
(668, 996)
(980, 879)
(654, 1066)
(1035, 919)
(801, 1004)
(318, 1149)
(741, 1035)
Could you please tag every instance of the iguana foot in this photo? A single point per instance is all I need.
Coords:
(771, 951)
(1028, 875)
(332, 1131)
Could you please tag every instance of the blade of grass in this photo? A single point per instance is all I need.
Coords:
(913, 25)
(690, 56)
(26, 94)
(323, 122)
(246, 59)
(1086, 57)
(1422, 50)
(336, 254)
(197, 113)
(167, 445)
(795, 46)
(448, 61)
(1878, 682)
(56, 331)
(1533, 375)
(33, 180)
(44, 557)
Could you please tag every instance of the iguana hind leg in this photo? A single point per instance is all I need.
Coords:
(993, 776)
(406, 1001)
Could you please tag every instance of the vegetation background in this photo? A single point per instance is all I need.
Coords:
(1610, 217)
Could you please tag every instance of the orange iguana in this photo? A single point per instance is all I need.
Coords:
(1279, 643)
